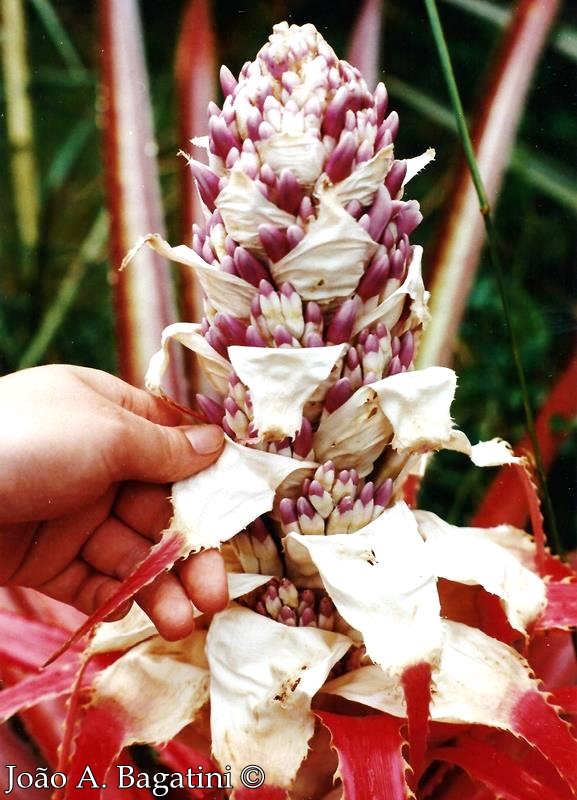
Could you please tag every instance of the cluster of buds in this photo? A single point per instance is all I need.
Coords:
(334, 502)
(304, 203)
(304, 608)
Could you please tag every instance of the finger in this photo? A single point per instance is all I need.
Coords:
(203, 575)
(136, 401)
(84, 588)
(168, 606)
(116, 550)
(147, 452)
(144, 507)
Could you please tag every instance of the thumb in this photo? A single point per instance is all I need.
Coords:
(163, 454)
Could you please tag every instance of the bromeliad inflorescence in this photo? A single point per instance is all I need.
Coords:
(313, 308)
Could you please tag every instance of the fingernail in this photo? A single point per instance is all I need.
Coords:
(205, 439)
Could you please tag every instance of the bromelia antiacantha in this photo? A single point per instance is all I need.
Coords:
(347, 601)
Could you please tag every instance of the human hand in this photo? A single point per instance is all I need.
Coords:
(85, 467)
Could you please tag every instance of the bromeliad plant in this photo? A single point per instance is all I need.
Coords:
(409, 640)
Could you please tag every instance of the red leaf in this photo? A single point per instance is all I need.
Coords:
(30, 691)
(503, 501)
(34, 605)
(496, 769)
(552, 658)
(370, 760)
(144, 301)
(561, 610)
(14, 751)
(161, 557)
(539, 724)
(99, 743)
(566, 698)
(27, 642)
(416, 682)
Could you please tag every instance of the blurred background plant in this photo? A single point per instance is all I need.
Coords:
(63, 140)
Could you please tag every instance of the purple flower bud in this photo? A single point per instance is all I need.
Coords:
(307, 600)
(397, 265)
(341, 326)
(287, 616)
(364, 152)
(391, 124)
(220, 137)
(337, 395)
(265, 130)
(340, 161)
(408, 218)
(395, 366)
(208, 252)
(380, 213)
(383, 494)
(207, 182)
(254, 338)
(249, 268)
(345, 505)
(303, 442)
(232, 158)
(227, 429)
(395, 177)
(217, 341)
(274, 241)
(325, 475)
(313, 313)
(265, 288)
(315, 489)
(294, 235)
(367, 493)
(232, 328)
(308, 618)
(213, 110)
(253, 122)
(373, 281)
(326, 606)
(335, 113)
(267, 175)
(381, 101)
(290, 193)
(287, 511)
(213, 411)
(354, 208)
(304, 508)
(320, 498)
(407, 348)
(306, 209)
(313, 340)
(365, 222)
(283, 337)
(258, 529)
(231, 406)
